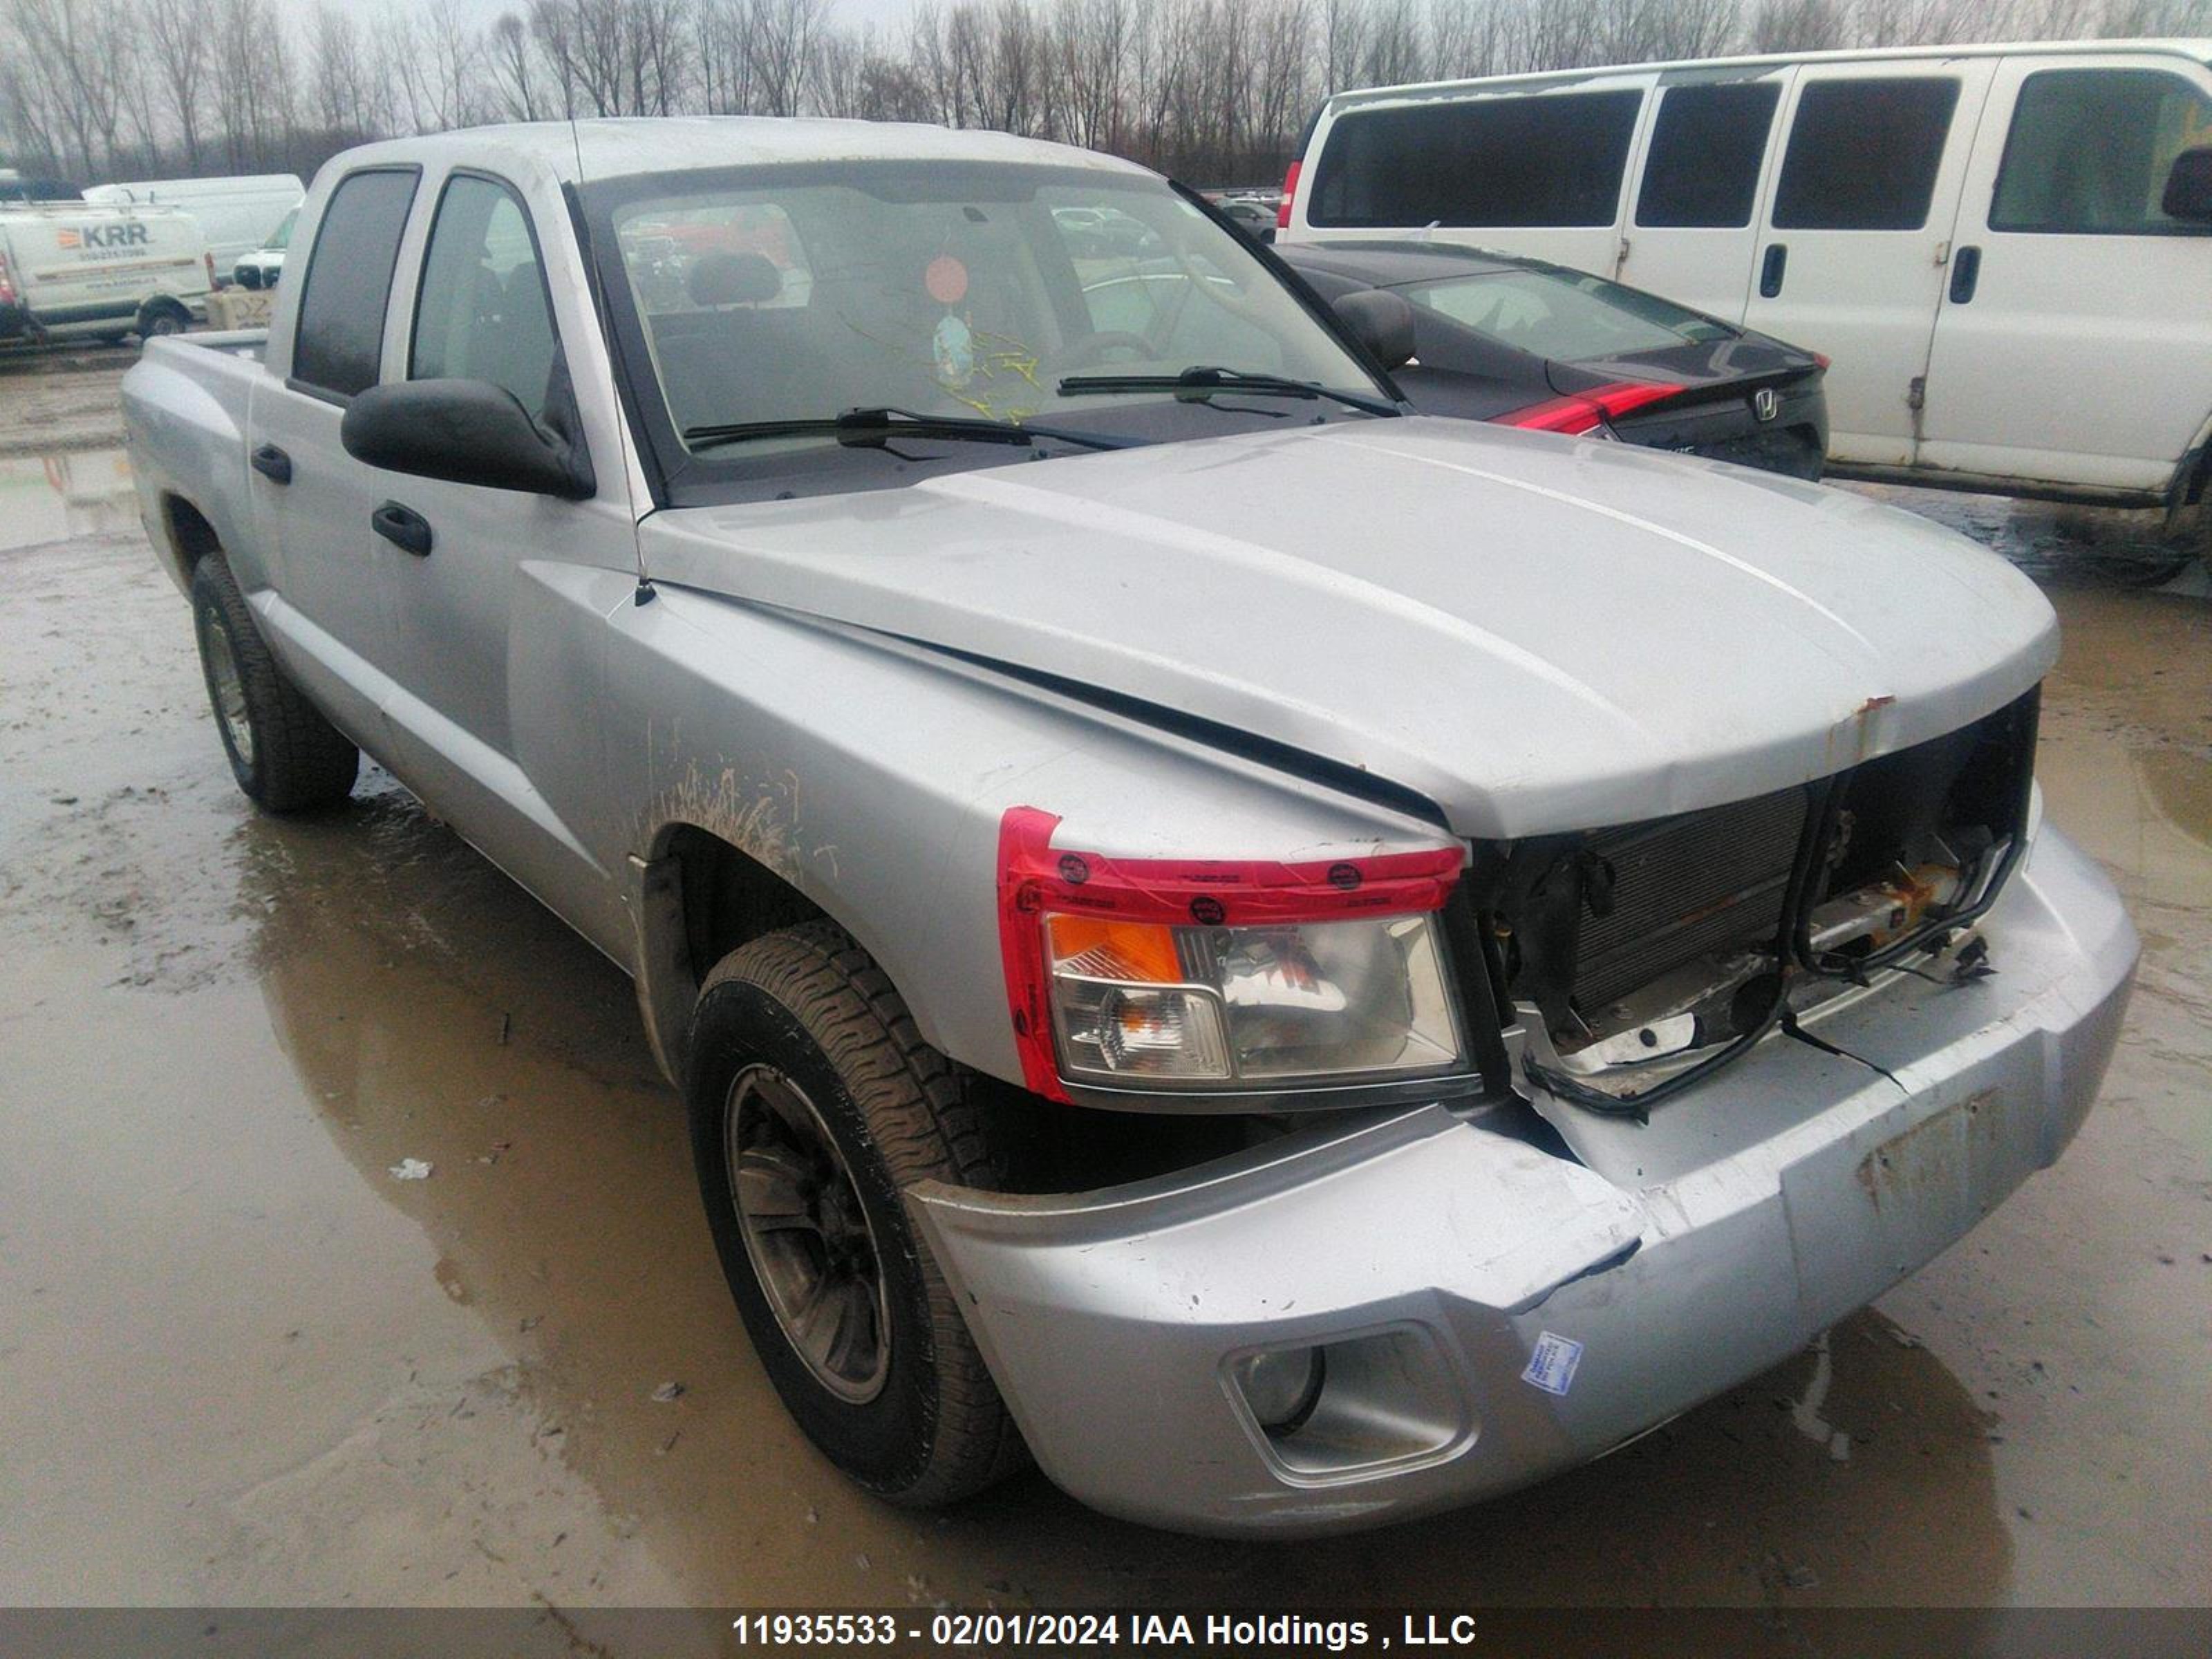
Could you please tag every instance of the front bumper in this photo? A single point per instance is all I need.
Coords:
(1493, 1314)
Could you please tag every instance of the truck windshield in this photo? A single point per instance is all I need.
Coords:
(789, 295)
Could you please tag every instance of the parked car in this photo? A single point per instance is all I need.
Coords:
(237, 214)
(2004, 248)
(1104, 234)
(1254, 220)
(1304, 962)
(1531, 343)
(72, 271)
(264, 264)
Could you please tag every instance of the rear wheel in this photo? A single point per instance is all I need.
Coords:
(159, 317)
(813, 1101)
(285, 756)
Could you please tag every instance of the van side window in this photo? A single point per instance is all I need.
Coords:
(1706, 148)
(1863, 155)
(483, 313)
(1555, 159)
(340, 335)
(2089, 150)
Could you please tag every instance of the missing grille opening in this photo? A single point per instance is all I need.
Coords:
(1646, 950)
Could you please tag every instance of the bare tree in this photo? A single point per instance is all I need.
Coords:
(1211, 89)
(73, 51)
(177, 49)
(779, 39)
(1797, 25)
(511, 59)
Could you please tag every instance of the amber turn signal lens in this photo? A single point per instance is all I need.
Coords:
(1142, 952)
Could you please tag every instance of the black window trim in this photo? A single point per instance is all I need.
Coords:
(2012, 130)
(430, 236)
(308, 388)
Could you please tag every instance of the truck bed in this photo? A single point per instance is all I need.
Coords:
(185, 407)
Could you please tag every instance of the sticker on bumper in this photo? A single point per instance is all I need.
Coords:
(1551, 1365)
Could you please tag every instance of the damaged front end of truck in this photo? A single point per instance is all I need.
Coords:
(1703, 1084)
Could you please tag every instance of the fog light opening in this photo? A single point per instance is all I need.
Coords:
(1351, 1406)
(1281, 1389)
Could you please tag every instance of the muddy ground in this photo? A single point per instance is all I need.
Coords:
(241, 1362)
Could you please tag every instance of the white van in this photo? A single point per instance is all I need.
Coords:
(71, 270)
(2007, 249)
(237, 216)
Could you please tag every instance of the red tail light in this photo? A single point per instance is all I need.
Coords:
(1584, 411)
(7, 283)
(1823, 359)
(1290, 194)
(209, 259)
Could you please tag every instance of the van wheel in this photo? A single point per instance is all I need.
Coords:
(285, 756)
(162, 316)
(814, 1102)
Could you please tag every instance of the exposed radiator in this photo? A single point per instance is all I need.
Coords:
(1682, 887)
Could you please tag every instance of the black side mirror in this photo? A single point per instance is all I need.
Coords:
(2188, 186)
(464, 432)
(1383, 323)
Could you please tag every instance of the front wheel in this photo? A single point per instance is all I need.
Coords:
(813, 1101)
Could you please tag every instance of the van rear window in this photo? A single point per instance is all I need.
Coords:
(1551, 159)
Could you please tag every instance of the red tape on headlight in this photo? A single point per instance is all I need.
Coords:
(1035, 876)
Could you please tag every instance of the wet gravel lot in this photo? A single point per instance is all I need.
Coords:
(241, 1363)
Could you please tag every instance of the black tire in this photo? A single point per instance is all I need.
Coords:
(285, 756)
(159, 317)
(807, 1009)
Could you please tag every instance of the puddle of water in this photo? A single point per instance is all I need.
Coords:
(52, 498)
(2093, 546)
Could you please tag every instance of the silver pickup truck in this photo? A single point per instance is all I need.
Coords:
(1297, 963)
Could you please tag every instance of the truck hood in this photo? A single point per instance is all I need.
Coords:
(1537, 633)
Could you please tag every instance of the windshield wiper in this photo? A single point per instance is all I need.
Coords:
(870, 428)
(1204, 380)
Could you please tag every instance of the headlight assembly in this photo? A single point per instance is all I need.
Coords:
(1210, 975)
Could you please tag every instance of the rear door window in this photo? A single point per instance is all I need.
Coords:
(1864, 153)
(2089, 150)
(339, 338)
(1550, 160)
(483, 313)
(1707, 150)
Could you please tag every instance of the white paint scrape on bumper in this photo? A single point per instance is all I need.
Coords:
(1489, 1313)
